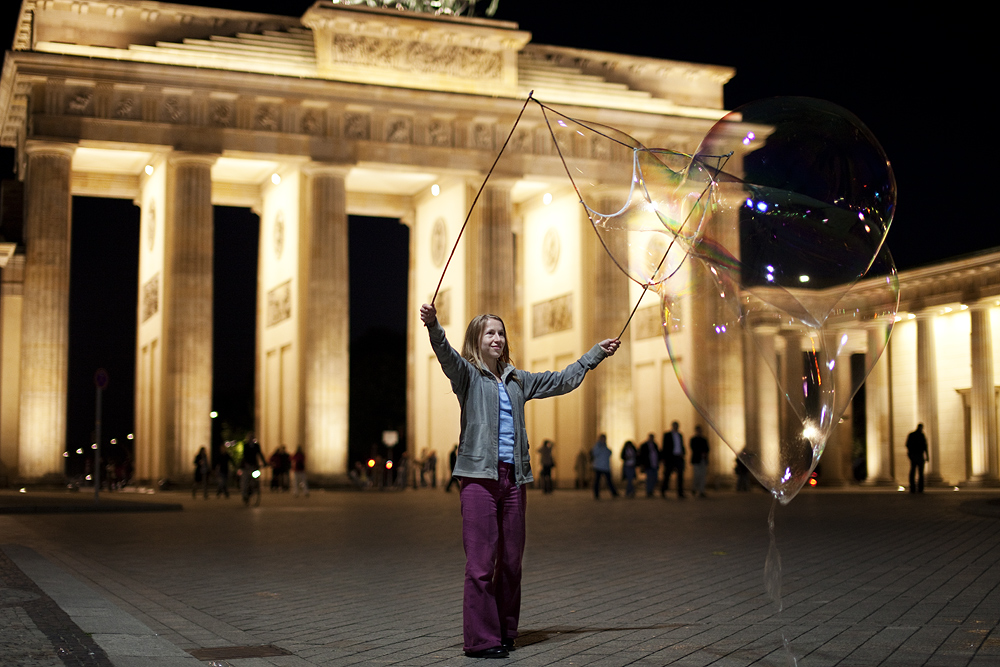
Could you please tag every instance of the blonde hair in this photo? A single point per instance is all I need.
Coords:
(474, 334)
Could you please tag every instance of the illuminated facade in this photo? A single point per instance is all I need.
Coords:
(350, 111)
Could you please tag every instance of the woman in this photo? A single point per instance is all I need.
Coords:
(493, 466)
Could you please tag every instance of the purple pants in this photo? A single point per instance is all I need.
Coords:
(493, 536)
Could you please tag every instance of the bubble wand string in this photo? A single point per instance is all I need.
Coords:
(481, 188)
(590, 211)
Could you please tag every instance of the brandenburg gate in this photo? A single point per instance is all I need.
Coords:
(350, 110)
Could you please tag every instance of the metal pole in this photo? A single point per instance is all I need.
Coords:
(97, 448)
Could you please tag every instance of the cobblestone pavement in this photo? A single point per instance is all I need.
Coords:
(341, 578)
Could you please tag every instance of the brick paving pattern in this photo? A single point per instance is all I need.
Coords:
(35, 631)
(341, 578)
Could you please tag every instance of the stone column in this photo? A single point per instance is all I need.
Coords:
(189, 248)
(612, 381)
(490, 254)
(45, 328)
(791, 378)
(836, 459)
(982, 398)
(768, 396)
(11, 307)
(325, 325)
(877, 434)
(927, 405)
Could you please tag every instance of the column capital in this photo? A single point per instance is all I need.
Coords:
(981, 305)
(178, 159)
(33, 148)
(326, 169)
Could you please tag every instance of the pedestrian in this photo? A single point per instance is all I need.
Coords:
(742, 475)
(548, 463)
(452, 457)
(673, 460)
(201, 469)
(649, 462)
(222, 463)
(699, 462)
(494, 467)
(601, 460)
(629, 457)
(299, 472)
(916, 450)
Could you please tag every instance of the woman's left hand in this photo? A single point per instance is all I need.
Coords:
(610, 346)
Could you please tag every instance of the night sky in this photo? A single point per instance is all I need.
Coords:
(918, 81)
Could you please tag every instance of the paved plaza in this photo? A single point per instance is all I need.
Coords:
(351, 578)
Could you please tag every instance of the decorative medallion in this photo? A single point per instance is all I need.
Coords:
(550, 250)
(151, 224)
(279, 234)
(439, 242)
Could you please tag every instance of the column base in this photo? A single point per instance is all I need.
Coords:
(980, 482)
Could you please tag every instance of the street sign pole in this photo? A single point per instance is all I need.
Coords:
(101, 382)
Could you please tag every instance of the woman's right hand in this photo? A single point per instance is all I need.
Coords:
(428, 314)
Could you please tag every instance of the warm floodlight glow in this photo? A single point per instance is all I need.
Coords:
(547, 198)
(275, 179)
(149, 170)
(213, 414)
(435, 189)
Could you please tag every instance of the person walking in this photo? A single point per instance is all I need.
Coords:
(916, 451)
(629, 458)
(494, 467)
(548, 463)
(673, 459)
(649, 461)
(699, 461)
(299, 480)
(601, 457)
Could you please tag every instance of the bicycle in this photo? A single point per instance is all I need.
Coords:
(250, 486)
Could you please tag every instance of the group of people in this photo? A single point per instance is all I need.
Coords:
(648, 458)
(286, 470)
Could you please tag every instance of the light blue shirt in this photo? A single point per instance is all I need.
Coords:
(506, 426)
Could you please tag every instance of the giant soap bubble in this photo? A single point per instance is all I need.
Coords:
(766, 247)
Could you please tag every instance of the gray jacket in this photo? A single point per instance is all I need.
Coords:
(479, 399)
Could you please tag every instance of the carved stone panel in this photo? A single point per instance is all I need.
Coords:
(279, 303)
(150, 298)
(552, 315)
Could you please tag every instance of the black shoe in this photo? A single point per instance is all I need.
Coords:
(508, 644)
(495, 652)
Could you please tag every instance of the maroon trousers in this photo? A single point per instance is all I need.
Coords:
(493, 536)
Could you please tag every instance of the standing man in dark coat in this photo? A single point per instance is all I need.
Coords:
(649, 463)
(673, 459)
(916, 449)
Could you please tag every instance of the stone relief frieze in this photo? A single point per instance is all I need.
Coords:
(150, 297)
(552, 315)
(312, 122)
(126, 108)
(418, 57)
(443, 305)
(80, 102)
(356, 125)
(482, 137)
(439, 242)
(279, 234)
(222, 115)
(174, 110)
(151, 224)
(279, 303)
(439, 132)
(647, 322)
(266, 119)
(399, 131)
(550, 249)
